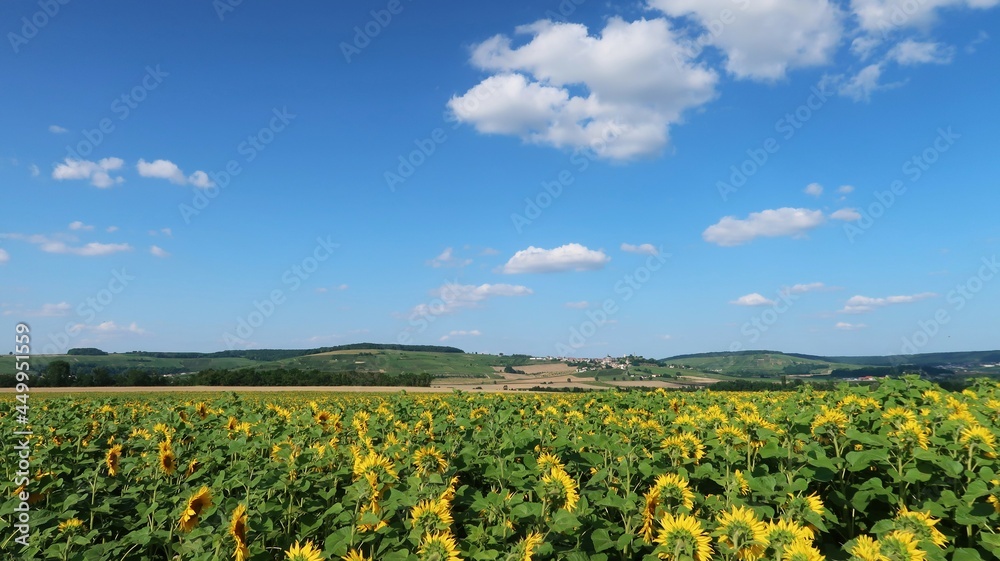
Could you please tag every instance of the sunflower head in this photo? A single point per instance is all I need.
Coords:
(303, 552)
(167, 459)
(438, 547)
(560, 489)
(355, 555)
(901, 546)
(196, 505)
(431, 516)
(682, 537)
(978, 437)
(921, 525)
(112, 459)
(866, 548)
(526, 547)
(742, 532)
(783, 533)
(807, 510)
(911, 435)
(238, 531)
(427, 460)
(71, 527)
(802, 550)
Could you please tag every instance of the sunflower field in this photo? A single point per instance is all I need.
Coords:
(902, 471)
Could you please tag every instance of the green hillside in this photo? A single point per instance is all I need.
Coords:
(755, 364)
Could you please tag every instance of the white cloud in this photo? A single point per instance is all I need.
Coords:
(452, 297)
(489, 251)
(111, 229)
(803, 288)
(763, 40)
(752, 299)
(165, 169)
(158, 251)
(861, 86)
(448, 259)
(110, 328)
(793, 222)
(910, 52)
(642, 249)
(814, 189)
(59, 244)
(979, 39)
(578, 305)
(846, 214)
(4, 256)
(569, 257)
(96, 172)
(56, 129)
(860, 304)
(161, 169)
(50, 310)
(845, 326)
(862, 47)
(35, 172)
(845, 189)
(78, 225)
(201, 180)
(460, 333)
(666, 337)
(884, 16)
(617, 92)
(323, 289)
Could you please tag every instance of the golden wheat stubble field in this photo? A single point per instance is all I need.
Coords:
(902, 471)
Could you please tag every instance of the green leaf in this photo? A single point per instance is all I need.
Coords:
(602, 540)
(966, 554)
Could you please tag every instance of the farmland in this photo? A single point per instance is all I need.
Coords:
(902, 470)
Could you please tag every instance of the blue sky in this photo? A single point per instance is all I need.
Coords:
(571, 178)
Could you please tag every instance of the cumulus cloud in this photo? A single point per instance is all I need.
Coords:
(845, 189)
(50, 310)
(803, 288)
(845, 326)
(862, 85)
(447, 259)
(763, 40)
(617, 92)
(752, 299)
(846, 214)
(460, 333)
(165, 169)
(78, 225)
(814, 189)
(35, 172)
(452, 297)
(63, 244)
(158, 251)
(97, 172)
(884, 16)
(56, 129)
(910, 52)
(794, 222)
(860, 304)
(569, 257)
(4, 256)
(109, 328)
(642, 249)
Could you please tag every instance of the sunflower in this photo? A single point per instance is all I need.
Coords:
(196, 504)
(560, 488)
(867, 549)
(429, 459)
(829, 424)
(201, 409)
(168, 461)
(898, 415)
(304, 552)
(801, 509)
(980, 437)
(112, 459)
(438, 547)
(431, 515)
(71, 526)
(238, 530)
(354, 555)
(731, 437)
(528, 545)
(193, 466)
(911, 434)
(784, 533)
(547, 460)
(802, 550)
(741, 531)
(742, 485)
(901, 546)
(682, 537)
(375, 463)
(994, 497)
(921, 525)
